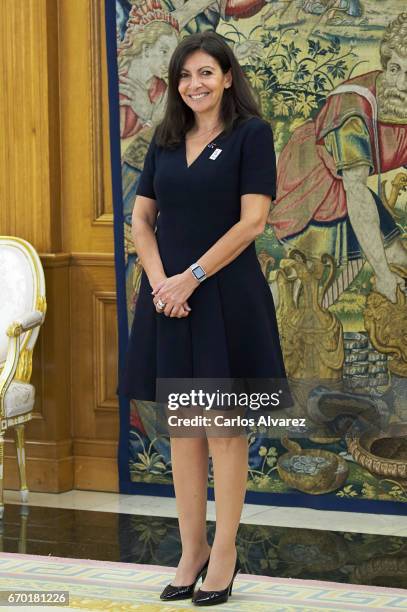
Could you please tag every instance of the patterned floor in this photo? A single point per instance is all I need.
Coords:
(345, 557)
(124, 587)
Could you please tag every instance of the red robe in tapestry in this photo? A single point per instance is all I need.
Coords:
(309, 187)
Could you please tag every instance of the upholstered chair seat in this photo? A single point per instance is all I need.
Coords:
(19, 399)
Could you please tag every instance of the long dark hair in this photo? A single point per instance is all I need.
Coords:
(238, 101)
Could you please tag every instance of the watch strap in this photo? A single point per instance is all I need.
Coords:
(198, 272)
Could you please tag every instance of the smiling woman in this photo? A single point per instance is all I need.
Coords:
(204, 77)
(205, 310)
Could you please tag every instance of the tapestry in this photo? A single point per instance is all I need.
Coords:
(331, 79)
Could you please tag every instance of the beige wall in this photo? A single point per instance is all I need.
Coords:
(55, 191)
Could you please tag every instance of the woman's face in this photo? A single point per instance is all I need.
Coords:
(202, 82)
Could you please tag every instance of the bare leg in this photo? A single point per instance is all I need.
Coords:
(230, 464)
(190, 473)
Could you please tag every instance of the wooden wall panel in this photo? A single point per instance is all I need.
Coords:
(105, 355)
(29, 123)
(88, 234)
(55, 191)
(51, 363)
(86, 179)
(94, 366)
(94, 347)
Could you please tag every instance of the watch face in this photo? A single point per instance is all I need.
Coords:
(198, 272)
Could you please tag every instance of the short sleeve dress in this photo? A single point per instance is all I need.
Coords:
(231, 331)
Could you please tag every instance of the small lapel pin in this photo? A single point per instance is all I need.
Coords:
(215, 154)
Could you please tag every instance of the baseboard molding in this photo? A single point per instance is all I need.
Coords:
(40, 449)
(43, 475)
(55, 467)
(96, 474)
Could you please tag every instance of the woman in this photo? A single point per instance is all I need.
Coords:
(204, 310)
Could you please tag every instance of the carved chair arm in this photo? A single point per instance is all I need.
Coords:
(26, 322)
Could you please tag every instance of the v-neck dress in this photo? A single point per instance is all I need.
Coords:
(231, 331)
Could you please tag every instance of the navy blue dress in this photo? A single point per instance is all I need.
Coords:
(231, 331)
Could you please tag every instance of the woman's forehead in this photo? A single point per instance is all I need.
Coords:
(199, 59)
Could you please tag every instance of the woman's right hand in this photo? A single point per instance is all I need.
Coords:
(178, 310)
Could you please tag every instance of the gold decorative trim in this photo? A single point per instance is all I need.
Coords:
(41, 304)
(17, 420)
(20, 450)
(24, 367)
(14, 330)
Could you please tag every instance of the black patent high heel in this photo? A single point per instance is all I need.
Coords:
(173, 593)
(212, 598)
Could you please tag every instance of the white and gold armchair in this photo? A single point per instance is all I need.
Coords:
(22, 312)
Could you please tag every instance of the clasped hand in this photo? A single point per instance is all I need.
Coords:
(174, 293)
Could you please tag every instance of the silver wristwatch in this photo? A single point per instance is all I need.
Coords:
(198, 272)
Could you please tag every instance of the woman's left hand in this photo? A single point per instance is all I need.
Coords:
(175, 290)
